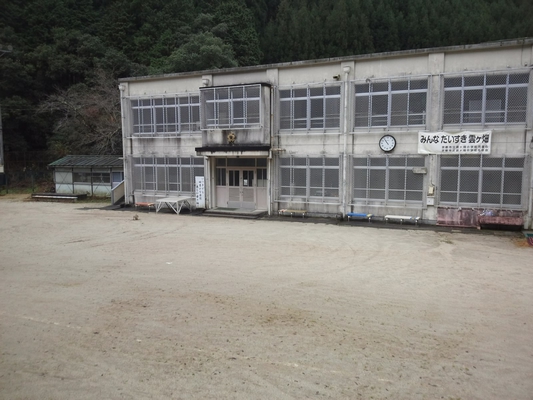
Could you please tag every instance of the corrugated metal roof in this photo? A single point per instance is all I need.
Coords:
(88, 161)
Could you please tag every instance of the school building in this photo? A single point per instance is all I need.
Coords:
(443, 135)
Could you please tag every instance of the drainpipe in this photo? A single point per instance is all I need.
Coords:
(127, 196)
(346, 71)
(529, 223)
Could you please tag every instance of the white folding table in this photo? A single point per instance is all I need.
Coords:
(174, 203)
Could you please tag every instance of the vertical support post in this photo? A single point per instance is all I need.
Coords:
(346, 69)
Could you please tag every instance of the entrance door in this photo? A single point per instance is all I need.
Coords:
(241, 188)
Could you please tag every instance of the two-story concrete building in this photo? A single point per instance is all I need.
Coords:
(441, 134)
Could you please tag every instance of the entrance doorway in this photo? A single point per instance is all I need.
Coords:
(241, 190)
(241, 183)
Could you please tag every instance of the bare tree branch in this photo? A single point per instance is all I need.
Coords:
(88, 117)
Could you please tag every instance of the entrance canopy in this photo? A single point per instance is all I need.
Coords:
(233, 151)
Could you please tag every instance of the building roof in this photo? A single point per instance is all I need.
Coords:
(88, 161)
(521, 42)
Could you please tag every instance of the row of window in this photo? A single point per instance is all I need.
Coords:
(231, 107)
(310, 178)
(166, 174)
(475, 181)
(93, 178)
(469, 99)
(168, 115)
(465, 180)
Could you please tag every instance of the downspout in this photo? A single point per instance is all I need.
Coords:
(529, 222)
(270, 159)
(122, 88)
(346, 69)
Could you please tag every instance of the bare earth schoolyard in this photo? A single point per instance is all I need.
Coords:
(97, 305)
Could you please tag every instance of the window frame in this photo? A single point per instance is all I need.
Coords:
(305, 95)
(484, 112)
(166, 174)
(226, 96)
(390, 93)
(485, 166)
(384, 164)
(151, 116)
(309, 191)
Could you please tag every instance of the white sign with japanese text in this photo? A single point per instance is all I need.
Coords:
(454, 143)
(200, 191)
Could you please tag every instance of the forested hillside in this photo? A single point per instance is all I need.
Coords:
(58, 89)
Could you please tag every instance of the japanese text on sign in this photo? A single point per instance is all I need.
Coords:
(457, 143)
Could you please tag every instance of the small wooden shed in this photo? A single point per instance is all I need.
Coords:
(91, 175)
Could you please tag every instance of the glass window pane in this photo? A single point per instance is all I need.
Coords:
(512, 182)
(517, 162)
(361, 111)
(396, 179)
(419, 84)
(300, 177)
(399, 109)
(449, 180)
(362, 88)
(377, 179)
(469, 181)
(470, 161)
(452, 107)
(492, 181)
(472, 106)
(474, 80)
(315, 177)
(517, 104)
(331, 178)
(285, 177)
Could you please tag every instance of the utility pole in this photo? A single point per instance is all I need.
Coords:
(3, 181)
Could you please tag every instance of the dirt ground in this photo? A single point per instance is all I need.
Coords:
(97, 305)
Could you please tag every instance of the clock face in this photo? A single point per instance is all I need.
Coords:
(387, 143)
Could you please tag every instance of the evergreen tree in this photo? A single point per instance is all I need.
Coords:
(241, 34)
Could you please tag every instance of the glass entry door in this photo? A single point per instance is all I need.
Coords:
(241, 184)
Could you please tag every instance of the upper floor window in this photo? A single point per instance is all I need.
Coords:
(166, 115)
(231, 107)
(310, 107)
(486, 99)
(391, 103)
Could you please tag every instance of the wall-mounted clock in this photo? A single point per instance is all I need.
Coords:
(387, 143)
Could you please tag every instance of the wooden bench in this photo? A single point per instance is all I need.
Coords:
(58, 197)
(145, 205)
(401, 218)
(354, 215)
(284, 211)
